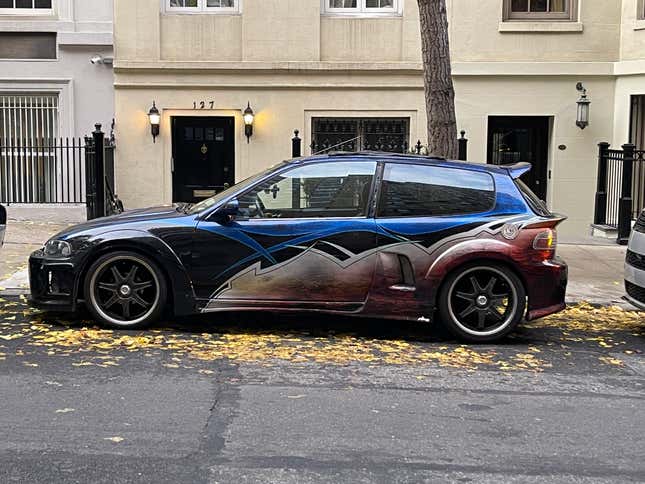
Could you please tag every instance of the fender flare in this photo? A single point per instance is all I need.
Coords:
(179, 282)
(467, 252)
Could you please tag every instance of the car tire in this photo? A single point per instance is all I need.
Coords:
(125, 290)
(482, 302)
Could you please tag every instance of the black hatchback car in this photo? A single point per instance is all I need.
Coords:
(366, 234)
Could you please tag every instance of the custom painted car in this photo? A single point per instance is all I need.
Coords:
(366, 234)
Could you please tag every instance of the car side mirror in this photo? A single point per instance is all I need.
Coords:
(228, 211)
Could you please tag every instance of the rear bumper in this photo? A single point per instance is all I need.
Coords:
(546, 288)
(52, 283)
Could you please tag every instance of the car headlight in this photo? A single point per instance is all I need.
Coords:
(58, 248)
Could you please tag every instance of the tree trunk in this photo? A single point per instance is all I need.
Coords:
(439, 90)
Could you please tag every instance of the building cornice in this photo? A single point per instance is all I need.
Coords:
(246, 66)
(136, 71)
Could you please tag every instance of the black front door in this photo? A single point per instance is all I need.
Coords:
(203, 152)
(512, 139)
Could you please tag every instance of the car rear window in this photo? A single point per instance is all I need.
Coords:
(537, 205)
(410, 190)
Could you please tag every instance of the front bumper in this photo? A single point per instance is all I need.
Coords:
(52, 282)
(547, 288)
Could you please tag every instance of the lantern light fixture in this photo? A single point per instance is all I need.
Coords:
(249, 117)
(582, 117)
(155, 120)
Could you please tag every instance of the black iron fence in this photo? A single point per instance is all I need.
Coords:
(353, 144)
(99, 175)
(42, 171)
(620, 191)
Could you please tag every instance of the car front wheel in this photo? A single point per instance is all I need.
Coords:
(125, 290)
(482, 302)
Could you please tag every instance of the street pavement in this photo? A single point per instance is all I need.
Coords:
(244, 398)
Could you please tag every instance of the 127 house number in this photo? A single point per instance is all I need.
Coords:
(203, 104)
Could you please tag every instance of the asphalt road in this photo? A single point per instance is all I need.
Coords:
(298, 399)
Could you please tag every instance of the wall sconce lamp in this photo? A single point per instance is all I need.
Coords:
(249, 116)
(582, 118)
(155, 121)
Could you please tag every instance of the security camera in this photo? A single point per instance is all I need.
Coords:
(99, 59)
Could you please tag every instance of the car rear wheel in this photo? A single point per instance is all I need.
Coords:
(482, 302)
(125, 290)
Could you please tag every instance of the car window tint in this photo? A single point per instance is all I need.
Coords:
(338, 189)
(421, 191)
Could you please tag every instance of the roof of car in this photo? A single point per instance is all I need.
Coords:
(401, 157)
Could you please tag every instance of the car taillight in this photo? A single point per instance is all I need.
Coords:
(545, 242)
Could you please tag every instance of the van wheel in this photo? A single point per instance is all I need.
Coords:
(125, 290)
(482, 302)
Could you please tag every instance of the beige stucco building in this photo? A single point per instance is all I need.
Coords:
(341, 70)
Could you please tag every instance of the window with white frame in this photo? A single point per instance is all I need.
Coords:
(362, 7)
(540, 10)
(641, 10)
(208, 6)
(29, 7)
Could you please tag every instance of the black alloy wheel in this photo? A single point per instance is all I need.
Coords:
(482, 302)
(125, 290)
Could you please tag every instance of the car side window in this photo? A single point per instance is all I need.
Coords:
(333, 189)
(425, 191)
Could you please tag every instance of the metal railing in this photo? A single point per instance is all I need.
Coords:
(620, 191)
(42, 171)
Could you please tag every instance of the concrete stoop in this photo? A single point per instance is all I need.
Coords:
(604, 231)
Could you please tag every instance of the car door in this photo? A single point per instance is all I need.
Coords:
(302, 237)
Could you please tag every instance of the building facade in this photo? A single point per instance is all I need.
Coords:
(56, 82)
(347, 73)
(45, 52)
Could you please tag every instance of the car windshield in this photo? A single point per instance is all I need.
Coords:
(212, 201)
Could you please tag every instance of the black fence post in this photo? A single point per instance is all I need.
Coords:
(296, 145)
(418, 147)
(600, 212)
(625, 207)
(99, 170)
(463, 147)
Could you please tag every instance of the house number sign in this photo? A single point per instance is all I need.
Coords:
(203, 104)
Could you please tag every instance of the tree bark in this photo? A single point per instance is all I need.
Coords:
(437, 76)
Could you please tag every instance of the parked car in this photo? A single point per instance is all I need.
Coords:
(364, 234)
(635, 265)
(3, 223)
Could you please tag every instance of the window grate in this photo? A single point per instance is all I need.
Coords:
(28, 116)
(358, 134)
(26, 4)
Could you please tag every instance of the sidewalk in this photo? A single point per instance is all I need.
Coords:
(595, 271)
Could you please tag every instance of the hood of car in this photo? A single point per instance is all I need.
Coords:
(124, 220)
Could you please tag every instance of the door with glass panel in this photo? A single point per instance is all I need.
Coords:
(303, 236)
(512, 139)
